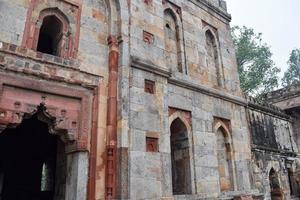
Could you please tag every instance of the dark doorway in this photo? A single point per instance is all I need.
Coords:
(180, 154)
(28, 156)
(276, 192)
(50, 36)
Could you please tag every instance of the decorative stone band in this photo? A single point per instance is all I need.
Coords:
(19, 59)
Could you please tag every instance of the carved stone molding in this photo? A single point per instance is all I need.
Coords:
(66, 110)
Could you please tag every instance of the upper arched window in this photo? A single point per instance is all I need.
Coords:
(212, 58)
(172, 41)
(53, 35)
(50, 37)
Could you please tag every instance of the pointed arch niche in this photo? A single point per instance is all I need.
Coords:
(213, 56)
(174, 39)
(225, 156)
(182, 160)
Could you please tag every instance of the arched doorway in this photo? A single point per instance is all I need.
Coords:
(32, 162)
(276, 192)
(180, 155)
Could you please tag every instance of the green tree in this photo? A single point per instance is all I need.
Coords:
(257, 70)
(292, 75)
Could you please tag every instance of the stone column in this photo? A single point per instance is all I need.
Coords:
(111, 165)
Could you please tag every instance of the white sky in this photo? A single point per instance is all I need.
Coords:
(277, 20)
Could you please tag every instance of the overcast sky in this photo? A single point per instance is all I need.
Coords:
(277, 20)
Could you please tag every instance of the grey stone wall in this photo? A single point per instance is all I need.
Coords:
(12, 20)
(150, 173)
(273, 147)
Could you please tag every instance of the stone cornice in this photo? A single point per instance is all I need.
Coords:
(208, 91)
(267, 109)
(152, 68)
(277, 151)
(149, 67)
(213, 8)
(283, 94)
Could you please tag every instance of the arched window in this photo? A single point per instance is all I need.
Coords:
(172, 41)
(224, 160)
(53, 35)
(212, 59)
(50, 37)
(180, 155)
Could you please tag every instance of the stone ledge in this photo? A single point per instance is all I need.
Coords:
(152, 68)
(149, 67)
(209, 91)
(284, 93)
(37, 56)
(267, 149)
(267, 108)
(18, 59)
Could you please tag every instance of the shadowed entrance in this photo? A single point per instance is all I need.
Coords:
(181, 172)
(276, 192)
(28, 162)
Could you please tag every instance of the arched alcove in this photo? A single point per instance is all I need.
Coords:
(212, 58)
(33, 161)
(180, 158)
(172, 41)
(225, 164)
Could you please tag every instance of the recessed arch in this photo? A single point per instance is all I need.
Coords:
(213, 57)
(53, 34)
(173, 41)
(180, 158)
(225, 156)
(114, 12)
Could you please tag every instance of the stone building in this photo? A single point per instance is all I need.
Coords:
(115, 99)
(275, 160)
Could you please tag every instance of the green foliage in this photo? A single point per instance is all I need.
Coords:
(257, 70)
(292, 75)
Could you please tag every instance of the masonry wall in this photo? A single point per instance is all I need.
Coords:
(196, 19)
(90, 66)
(273, 147)
(190, 93)
(204, 96)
